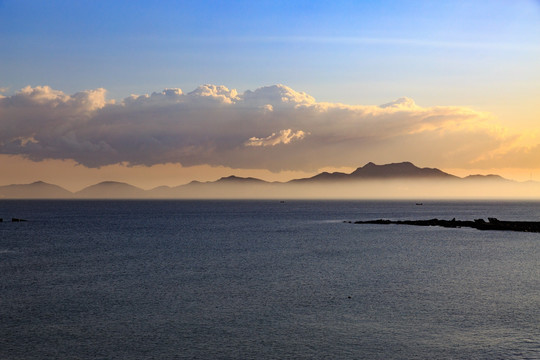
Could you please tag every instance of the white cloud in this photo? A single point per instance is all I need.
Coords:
(283, 137)
(403, 103)
(210, 125)
(267, 108)
(277, 95)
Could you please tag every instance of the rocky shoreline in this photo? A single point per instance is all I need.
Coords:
(480, 224)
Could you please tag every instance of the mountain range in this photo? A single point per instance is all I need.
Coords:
(370, 181)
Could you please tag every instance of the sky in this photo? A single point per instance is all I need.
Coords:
(163, 93)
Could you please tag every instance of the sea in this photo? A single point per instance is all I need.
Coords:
(102, 279)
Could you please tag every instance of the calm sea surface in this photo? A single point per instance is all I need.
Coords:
(265, 280)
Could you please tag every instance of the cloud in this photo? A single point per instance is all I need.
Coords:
(218, 126)
(283, 137)
(524, 157)
(416, 42)
(403, 103)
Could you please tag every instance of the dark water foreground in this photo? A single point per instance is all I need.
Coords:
(265, 280)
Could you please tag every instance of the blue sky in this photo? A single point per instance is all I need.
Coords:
(478, 56)
(347, 51)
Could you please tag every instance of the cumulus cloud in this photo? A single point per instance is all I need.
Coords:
(283, 137)
(272, 127)
(401, 103)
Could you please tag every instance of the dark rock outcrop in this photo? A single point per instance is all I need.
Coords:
(480, 224)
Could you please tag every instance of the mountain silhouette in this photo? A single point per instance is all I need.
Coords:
(371, 171)
(490, 177)
(111, 190)
(35, 190)
(370, 180)
(399, 170)
(242, 180)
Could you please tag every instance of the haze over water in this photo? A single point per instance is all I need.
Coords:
(265, 279)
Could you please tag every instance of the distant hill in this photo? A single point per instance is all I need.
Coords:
(399, 170)
(396, 180)
(35, 190)
(489, 177)
(239, 180)
(371, 171)
(111, 190)
(225, 187)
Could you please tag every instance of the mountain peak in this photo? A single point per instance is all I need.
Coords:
(39, 182)
(110, 189)
(238, 179)
(397, 170)
(491, 177)
(404, 164)
(35, 190)
(111, 183)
